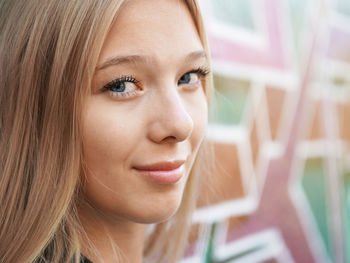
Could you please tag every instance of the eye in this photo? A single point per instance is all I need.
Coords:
(123, 87)
(188, 78)
(193, 77)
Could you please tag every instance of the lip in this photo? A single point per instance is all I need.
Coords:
(168, 172)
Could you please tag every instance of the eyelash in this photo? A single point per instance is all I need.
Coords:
(122, 79)
(201, 71)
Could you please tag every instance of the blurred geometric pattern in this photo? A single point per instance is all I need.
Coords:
(280, 124)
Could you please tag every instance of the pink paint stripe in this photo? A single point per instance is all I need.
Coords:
(339, 45)
(273, 56)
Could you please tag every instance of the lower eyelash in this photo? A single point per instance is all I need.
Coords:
(122, 94)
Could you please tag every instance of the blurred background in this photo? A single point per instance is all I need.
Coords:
(280, 125)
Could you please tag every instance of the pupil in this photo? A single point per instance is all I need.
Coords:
(185, 79)
(118, 87)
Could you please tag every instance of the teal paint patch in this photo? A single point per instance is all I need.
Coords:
(234, 13)
(343, 7)
(240, 256)
(230, 101)
(208, 258)
(299, 21)
(346, 207)
(210, 250)
(314, 186)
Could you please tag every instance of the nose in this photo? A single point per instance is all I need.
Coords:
(170, 121)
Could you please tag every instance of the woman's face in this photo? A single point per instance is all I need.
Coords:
(147, 112)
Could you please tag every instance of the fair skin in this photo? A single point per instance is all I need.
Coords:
(141, 132)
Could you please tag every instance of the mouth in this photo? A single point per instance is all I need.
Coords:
(167, 172)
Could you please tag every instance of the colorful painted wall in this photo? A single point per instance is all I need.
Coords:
(281, 129)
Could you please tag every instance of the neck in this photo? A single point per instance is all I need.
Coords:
(111, 240)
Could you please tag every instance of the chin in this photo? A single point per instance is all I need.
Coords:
(158, 217)
(157, 212)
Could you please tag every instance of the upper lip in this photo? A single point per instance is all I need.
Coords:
(161, 166)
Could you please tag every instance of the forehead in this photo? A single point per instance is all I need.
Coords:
(160, 29)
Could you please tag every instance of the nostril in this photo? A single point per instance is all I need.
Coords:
(169, 131)
(170, 120)
(170, 139)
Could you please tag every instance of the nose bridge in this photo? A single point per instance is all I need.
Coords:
(171, 118)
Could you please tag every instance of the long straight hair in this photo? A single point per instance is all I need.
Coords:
(48, 55)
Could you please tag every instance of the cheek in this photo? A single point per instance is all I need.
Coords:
(199, 114)
(113, 138)
(107, 137)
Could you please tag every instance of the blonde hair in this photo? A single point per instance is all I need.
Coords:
(48, 54)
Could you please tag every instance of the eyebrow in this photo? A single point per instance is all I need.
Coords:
(137, 59)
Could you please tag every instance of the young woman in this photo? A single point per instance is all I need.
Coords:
(103, 109)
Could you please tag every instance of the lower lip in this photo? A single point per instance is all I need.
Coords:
(163, 177)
